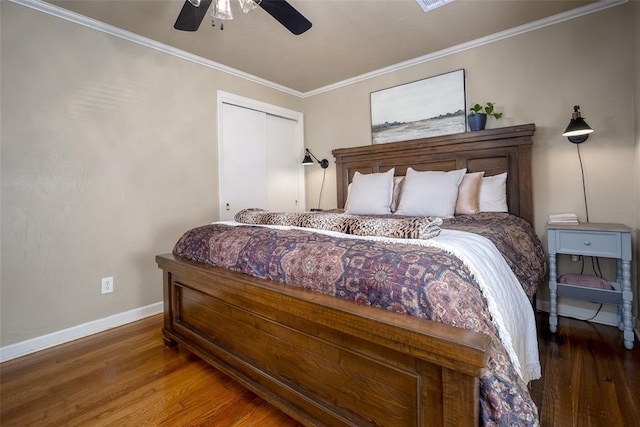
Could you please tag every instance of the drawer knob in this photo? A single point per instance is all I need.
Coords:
(587, 243)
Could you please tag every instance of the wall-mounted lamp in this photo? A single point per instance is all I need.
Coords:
(578, 130)
(324, 163)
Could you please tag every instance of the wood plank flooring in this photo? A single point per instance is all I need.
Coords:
(126, 377)
(588, 377)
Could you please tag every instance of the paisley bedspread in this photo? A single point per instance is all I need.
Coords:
(516, 240)
(417, 280)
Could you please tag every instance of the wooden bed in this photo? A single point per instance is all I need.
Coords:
(327, 361)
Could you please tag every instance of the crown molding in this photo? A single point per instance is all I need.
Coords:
(118, 32)
(74, 17)
(532, 26)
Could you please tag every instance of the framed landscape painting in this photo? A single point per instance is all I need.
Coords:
(424, 108)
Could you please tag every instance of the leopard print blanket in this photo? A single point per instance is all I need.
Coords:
(399, 228)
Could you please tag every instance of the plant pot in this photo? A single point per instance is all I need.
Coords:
(477, 121)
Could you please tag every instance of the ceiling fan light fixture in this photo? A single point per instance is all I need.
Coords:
(194, 11)
(428, 5)
(248, 5)
(222, 9)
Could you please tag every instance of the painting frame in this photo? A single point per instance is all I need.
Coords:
(423, 108)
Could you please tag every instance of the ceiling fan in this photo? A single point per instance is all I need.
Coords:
(193, 12)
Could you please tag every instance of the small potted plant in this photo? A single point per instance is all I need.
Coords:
(478, 115)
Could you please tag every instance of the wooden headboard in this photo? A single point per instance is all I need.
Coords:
(494, 151)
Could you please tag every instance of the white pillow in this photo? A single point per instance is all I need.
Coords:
(493, 193)
(430, 193)
(370, 194)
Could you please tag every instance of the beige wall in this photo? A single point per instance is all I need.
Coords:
(98, 191)
(534, 77)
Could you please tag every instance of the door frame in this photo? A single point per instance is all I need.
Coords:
(274, 110)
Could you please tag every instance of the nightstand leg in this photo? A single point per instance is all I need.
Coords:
(627, 298)
(618, 279)
(620, 318)
(553, 295)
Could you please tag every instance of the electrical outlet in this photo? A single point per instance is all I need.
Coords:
(575, 258)
(107, 285)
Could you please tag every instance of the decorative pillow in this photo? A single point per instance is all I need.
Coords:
(430, 193)
(370, 194)
(250, 216)
(493, 193)
(469, 194)
(399, 228)
(323, 221)
(397, 188)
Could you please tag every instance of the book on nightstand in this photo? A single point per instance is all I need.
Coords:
(566, 218)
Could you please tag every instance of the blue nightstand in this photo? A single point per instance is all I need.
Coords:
(597, 240)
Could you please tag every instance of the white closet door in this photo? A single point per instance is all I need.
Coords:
(260, 150)
(243, 161)
(282, 164)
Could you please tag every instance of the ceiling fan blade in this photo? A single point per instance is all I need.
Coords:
(191, 16)
(287, 15)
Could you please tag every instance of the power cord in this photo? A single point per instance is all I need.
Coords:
(584, 187)
(595, 263)
(595, 266)
(594, 260)
(324, 174)
(594, 316)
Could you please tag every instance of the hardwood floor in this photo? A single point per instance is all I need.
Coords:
(588, 377)
(126, 377)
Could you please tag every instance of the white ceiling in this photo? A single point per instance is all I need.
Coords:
(349, 38)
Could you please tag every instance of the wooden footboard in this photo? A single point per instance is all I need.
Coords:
(320, 359)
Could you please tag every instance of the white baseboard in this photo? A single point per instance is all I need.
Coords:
(607, 315)
(33, 345)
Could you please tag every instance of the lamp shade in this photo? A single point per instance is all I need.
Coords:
(577, 127)
(309, 160)
(578, 130)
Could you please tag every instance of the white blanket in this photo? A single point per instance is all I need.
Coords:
(510, 309)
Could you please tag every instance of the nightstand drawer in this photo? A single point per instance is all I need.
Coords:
(591, 243)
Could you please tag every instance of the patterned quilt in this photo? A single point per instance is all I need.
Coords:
(417, 280)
